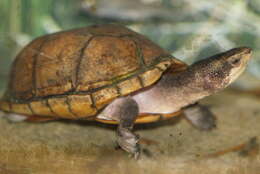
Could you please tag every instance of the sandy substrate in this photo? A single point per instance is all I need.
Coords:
(172, 147)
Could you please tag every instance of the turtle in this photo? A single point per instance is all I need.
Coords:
(112, 74)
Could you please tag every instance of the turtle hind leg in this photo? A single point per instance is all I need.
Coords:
(200, 116)
(12, 117)
(125, 111)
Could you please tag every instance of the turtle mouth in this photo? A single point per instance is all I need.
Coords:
(236, 72)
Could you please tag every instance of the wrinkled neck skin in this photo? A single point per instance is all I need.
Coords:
(185, 88)
(175, 91)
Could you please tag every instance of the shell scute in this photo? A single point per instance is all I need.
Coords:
(81, 105)
(41, 108)
(103, 96)
(60, 106)
(55, 65)
(21, 108)
(21, 76)
(104, 59)
(129, 86)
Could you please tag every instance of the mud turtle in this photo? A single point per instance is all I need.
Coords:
(112, 74)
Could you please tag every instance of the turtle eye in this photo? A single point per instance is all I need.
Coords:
(235, 61)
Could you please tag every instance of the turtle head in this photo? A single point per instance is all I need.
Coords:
(218, 71)
(237, 58)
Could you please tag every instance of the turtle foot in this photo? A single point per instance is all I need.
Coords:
(201, 117)
(15, 117)
(128, 141)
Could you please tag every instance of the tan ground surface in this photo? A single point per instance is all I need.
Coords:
(88, 148)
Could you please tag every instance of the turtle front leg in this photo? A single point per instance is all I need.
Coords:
(125, 111)
(200, 116)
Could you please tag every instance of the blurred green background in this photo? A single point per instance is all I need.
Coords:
(189, 29)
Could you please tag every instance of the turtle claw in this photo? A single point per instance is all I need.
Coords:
(128, 141)
(137, 155)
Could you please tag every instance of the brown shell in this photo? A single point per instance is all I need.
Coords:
(75, 73)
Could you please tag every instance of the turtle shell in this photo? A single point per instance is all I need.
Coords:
(76, 73)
